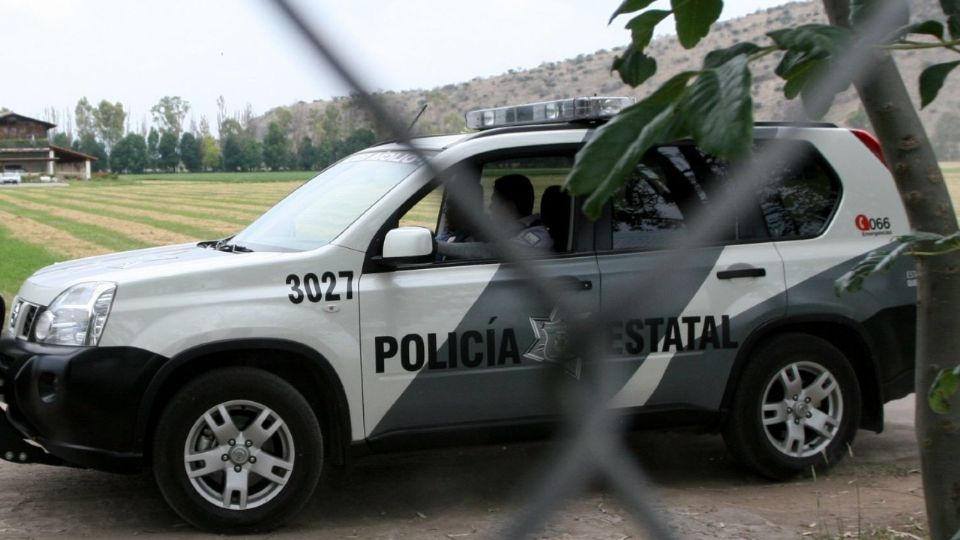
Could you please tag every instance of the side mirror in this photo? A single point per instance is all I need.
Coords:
(409, 245)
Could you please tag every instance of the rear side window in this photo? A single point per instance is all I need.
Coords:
(678, 190)
(800, 195)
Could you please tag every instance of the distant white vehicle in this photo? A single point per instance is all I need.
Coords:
(10, 177)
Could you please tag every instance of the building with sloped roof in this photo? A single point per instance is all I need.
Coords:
(25, 147)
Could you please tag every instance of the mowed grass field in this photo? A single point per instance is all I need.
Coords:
(45, 225)
(40, 226)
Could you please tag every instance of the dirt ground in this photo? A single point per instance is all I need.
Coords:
(475, 492)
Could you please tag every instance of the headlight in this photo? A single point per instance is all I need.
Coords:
(76, 317)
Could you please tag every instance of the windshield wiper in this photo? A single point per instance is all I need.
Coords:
(215, 244)
(222, 245)
(234, 248)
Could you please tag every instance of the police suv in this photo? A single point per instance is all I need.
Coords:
(238, 368)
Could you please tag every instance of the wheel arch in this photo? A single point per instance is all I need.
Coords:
(304, 368)
(847, 335)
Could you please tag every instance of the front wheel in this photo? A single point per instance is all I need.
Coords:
(237, 450)
(796, 407)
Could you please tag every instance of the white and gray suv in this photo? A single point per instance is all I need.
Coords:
(237, 369)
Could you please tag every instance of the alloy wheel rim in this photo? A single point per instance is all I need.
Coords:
(239, 455)
(802, 409)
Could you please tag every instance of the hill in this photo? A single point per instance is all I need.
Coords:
(589, 74)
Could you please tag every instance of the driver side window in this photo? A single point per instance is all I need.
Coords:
(426, 212)
(523, 196)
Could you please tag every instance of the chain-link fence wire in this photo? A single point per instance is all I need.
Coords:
(593, 444)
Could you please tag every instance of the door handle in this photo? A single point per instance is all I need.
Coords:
(742, 273)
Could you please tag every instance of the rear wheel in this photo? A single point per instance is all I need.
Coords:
(238, 450)
(796, 407)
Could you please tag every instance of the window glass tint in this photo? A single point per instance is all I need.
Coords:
(673, 188)
(425, 213)
(678, 188)
(542, 212)
(551, 206)
(543, 172)
(645, 216)
(800, 194)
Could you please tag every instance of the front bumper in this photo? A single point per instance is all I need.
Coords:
(81, 405)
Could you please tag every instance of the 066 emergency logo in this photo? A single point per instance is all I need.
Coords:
(873, 226)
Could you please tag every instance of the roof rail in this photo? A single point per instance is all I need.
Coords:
(535, 127)
(768, 123)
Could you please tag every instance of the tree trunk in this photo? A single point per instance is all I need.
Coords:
(925, 196)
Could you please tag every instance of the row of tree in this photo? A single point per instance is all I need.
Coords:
(103, 131)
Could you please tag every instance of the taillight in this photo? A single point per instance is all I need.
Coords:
(871, 142)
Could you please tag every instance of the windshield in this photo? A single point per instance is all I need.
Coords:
(321, 209)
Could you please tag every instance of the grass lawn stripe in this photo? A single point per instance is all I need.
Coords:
(184, 187)
(101, 236)
(254, 203)
(52, 239)
(153, 236)
(170, 207)
(211, 202)
(18, 260)
(237, 190)
(193, 228)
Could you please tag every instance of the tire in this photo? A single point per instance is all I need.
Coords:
(271, 468)
(779, 436)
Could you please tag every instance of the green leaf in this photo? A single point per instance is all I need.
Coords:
(694, 18)
(800, 75)
(719, 57)
(817, 100)
(929, 28)
(791, 61)
(671, 90)
(629, 6)
(809, 50)
(951, 8)
(944, 387)
(658, 129)
(634, 66)
(875, 261)
(642, 26)
(883, 259)
(942, 244)
(932, 79)
(606, 162)
(814, 40)
(718, 109)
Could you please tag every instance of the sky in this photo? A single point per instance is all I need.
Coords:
(136, 51)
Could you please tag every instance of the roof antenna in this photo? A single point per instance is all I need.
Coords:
(419, 114)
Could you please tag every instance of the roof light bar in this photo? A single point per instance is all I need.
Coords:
(548, 112)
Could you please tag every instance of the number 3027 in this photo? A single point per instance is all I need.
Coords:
(316, 289)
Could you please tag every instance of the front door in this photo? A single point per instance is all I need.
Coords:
(463, 342)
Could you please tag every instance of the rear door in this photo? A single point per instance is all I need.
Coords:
(688, 272)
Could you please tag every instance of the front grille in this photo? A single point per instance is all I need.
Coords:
(26, 328)
(22, 318)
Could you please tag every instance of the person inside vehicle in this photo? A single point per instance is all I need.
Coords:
(511, 207)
